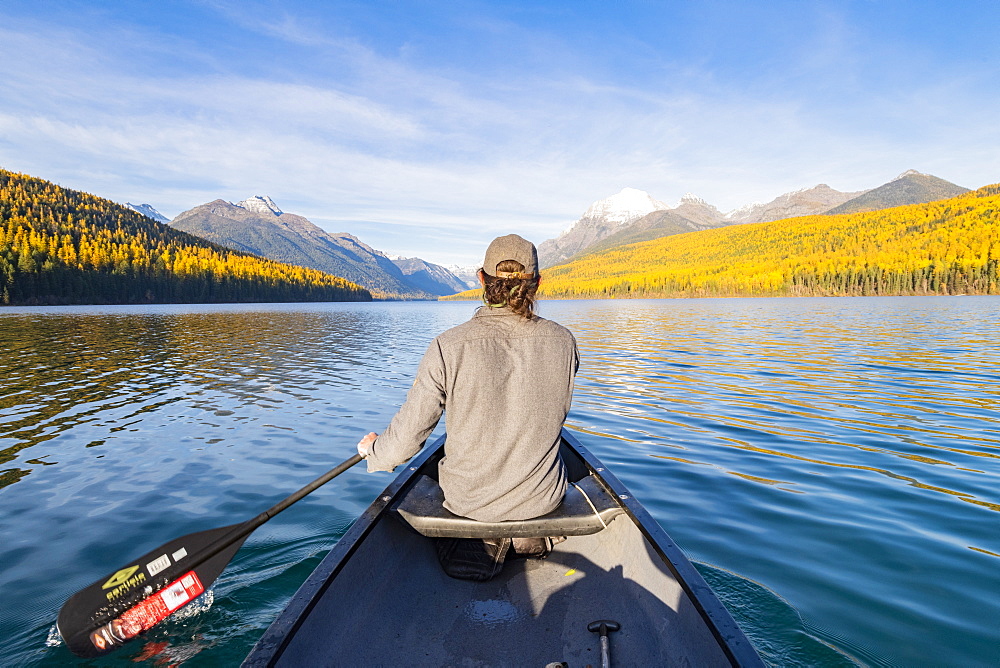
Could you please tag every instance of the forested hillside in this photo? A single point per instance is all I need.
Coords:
(257, 228)
(60, 246)
(946, 247)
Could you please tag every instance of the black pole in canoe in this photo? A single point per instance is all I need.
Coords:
(603, 627)
(116, 608)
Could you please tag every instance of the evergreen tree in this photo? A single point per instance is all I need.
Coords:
(60, 246)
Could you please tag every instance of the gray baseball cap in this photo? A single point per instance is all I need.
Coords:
(511, 247)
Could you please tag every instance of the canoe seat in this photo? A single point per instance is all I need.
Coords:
(586, 509)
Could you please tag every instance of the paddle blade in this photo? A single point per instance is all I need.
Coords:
(110, 612)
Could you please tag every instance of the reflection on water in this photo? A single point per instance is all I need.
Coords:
(841, 452)
(831, 464)
(121, 428)
(110, 372)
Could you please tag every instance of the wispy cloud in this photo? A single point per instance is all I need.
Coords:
(381, 140)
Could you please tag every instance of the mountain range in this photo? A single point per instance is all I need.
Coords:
(910, 187)
(63, 246)
(432, 278)
(601, 220)
(257, 225)
(805, 202)
(942, 247)
(632, 215)
(467, 274)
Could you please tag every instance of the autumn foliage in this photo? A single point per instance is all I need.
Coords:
(60, 246)
(946, 247)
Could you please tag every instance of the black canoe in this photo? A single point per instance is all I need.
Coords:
(380, 598)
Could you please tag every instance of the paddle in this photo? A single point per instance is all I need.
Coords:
(118, 607)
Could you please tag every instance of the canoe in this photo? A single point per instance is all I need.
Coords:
(380, 597)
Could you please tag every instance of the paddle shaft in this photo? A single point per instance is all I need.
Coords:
(308, 489)
(248, 527)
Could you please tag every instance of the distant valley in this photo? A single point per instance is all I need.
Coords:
(257, 225)
(432, 278)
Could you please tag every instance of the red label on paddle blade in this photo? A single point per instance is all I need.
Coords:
(149, 612)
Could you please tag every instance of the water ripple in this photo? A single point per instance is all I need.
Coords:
(831, 465)
(791, 440)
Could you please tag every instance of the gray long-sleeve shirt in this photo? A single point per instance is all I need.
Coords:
(505, 384)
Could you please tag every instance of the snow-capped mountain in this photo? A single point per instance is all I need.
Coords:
(148, 211)
(628, 205)
(602, 219)
(628, 217)
(745, 211)
(257, 225)
(259, 204)
(468, 275)
(633, 216)
(689, 198)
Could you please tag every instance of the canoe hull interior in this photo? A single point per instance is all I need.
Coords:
(386, 601)
(405, 611)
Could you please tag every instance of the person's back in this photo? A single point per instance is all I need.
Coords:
(505, 382)
(509, 382)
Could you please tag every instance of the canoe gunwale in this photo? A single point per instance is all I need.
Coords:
(727, 632)
(268, 649)
(730, 638)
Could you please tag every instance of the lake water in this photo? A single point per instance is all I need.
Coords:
(832, 466)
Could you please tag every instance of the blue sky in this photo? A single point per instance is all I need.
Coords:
(426, 128)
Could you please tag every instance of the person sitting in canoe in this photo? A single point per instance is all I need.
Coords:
(505, 382)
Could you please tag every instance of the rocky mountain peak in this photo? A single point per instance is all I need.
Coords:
(259, 204)
(690, 198)
(910, 187)
(467, 274)
(432, 278)
(148, 211)
(804, 202)
(909, 172)
(602, 219)
(744, 211)
(698, 210)
(627, 205)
